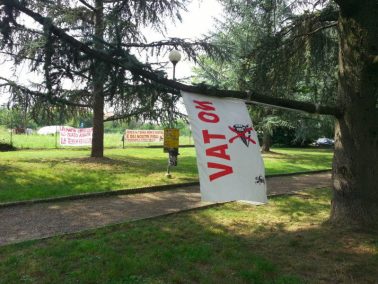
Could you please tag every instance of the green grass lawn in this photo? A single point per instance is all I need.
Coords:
(285, 241)
(34, 174)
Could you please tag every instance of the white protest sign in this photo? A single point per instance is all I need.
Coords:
(75, 136)
(136, 136)
(228, 153)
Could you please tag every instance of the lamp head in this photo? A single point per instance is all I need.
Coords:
(174, 56)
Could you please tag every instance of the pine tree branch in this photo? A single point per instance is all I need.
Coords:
(127, 115)
(187, 46)
(48, 97)
(171, 42)
(87, 5)
(333, 24)
(373, 59)
(129, 63)
(74, 72)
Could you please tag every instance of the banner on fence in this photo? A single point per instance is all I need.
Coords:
(136, 136)
(75, 136)
(228, 153)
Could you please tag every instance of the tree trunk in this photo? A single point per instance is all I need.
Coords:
(355, 164)
(267, 141)
(98, 87)
(98, 122)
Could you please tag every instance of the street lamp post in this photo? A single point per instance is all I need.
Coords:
(174, 57)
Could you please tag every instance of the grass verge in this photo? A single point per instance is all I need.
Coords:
(32, 174)
(285, 241)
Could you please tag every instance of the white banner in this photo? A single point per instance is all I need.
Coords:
(75, 136)
(144, 135)
(228, 153)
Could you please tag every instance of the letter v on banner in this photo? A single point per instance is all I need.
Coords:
(228, 153)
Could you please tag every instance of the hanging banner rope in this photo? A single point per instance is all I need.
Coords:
(228, 153)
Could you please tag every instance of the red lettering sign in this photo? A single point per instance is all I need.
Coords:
(219, 152)
(204, 105)
(208, 117)
(207, 136)
(225, 170)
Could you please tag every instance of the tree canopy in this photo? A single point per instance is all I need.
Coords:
(355, 108)
(73, 80)
(272, 55)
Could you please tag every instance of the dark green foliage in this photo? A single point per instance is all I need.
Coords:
(278, 52)
(5, 147)
(68, 75)
(16, 117)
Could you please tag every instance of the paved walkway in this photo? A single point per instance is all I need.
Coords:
(26, 222)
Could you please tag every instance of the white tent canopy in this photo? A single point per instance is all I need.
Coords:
(52, 129)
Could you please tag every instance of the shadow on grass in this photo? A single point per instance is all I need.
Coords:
(232, 243)
(273, 154)
(118, 161)
(294, 205)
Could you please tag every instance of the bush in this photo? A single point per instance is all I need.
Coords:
(5, 147)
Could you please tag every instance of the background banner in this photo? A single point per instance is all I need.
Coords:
(144, 135)
(75, 136)
(228, 152)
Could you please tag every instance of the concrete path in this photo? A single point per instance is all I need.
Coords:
(27, 222)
